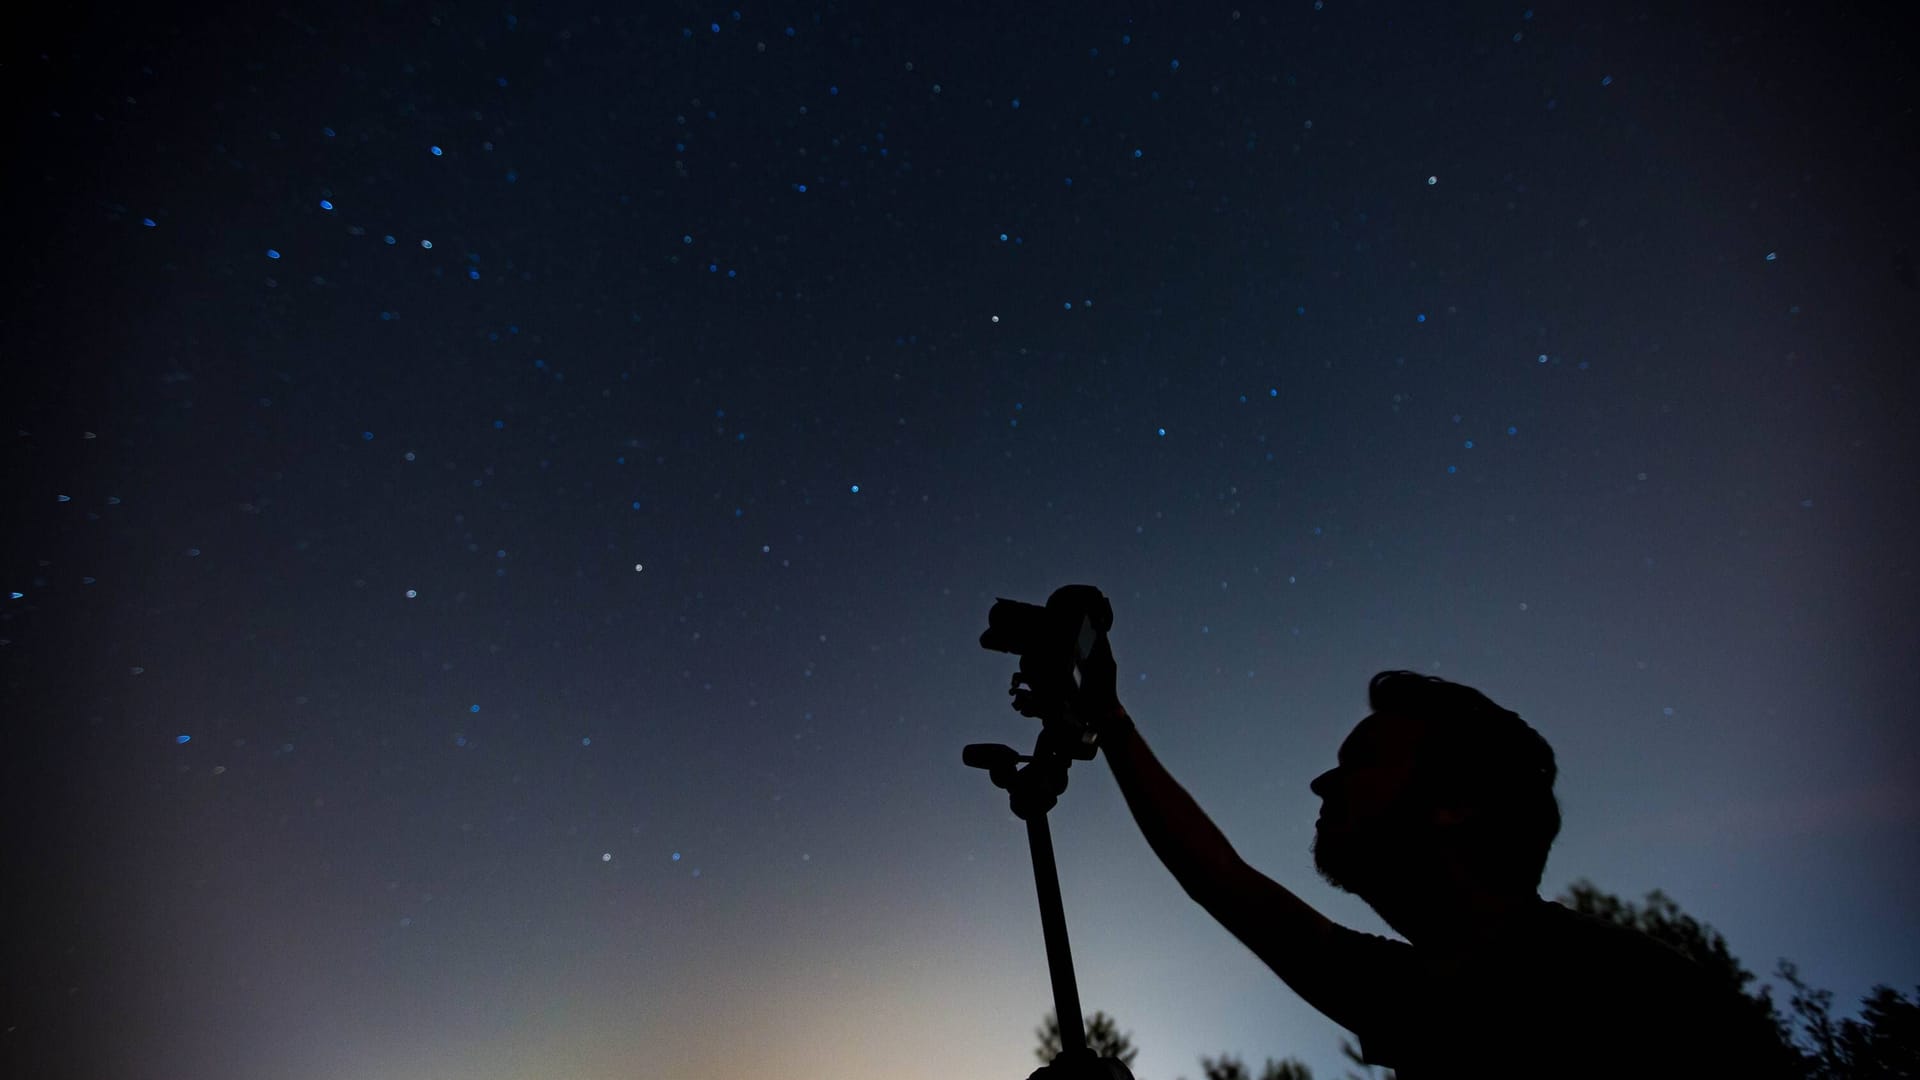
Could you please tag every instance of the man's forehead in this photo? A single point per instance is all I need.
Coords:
(1378, 734)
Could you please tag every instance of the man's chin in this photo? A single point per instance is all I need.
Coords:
(1336, 869)
(1329, 868)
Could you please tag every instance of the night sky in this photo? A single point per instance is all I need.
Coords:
(502, 503)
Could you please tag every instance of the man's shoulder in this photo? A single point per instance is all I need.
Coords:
(1607, 958)
(1670, 998)
(1605, 940)
(1562, 987)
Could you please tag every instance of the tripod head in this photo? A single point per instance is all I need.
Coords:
(1034, 790)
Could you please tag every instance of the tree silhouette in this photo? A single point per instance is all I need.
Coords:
(1884, 1044)
(1228, 1067)
(1103, 1037)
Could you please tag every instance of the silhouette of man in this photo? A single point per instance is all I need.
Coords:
(1439, 815)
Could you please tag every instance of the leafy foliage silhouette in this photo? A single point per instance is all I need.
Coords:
(1103, 1037)
(1227, 1067)
(1884, 1044)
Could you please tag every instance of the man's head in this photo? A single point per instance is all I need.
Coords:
(1436, 776)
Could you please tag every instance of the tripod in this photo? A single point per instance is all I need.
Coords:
(1033, 790)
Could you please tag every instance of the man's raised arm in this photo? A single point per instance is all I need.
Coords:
(1301, 945)
(1190, 845)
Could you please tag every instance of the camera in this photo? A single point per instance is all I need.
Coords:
(1053, 643)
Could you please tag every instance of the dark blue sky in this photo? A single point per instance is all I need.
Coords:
(504, 503)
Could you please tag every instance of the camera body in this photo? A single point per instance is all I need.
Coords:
(1053, 643)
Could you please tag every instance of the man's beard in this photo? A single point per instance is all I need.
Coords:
(1372, 861)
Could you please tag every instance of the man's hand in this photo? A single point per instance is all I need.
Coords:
(1092, 700)
(1098, 694)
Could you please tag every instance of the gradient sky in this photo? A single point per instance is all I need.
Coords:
(503, 504)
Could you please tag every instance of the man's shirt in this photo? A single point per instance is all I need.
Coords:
(1561, 994)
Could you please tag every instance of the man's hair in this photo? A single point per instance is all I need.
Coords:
(1473, 753)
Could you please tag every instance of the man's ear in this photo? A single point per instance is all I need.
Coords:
(1453, 815)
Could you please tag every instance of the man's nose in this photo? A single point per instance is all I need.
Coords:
(1320, 784)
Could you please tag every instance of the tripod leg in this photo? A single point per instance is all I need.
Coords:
(1053, 923)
